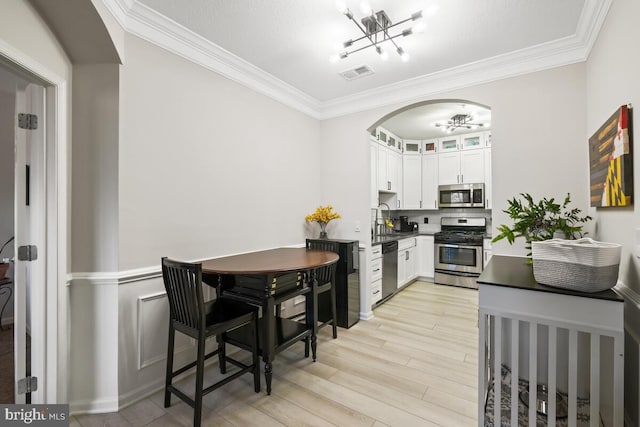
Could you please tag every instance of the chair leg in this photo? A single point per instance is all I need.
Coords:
(334, 317)
(222, 353)
(197, 410)
(169, 374)
(314, 322)
(256, 350)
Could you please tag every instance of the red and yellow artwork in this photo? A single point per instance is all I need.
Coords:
(611, 161)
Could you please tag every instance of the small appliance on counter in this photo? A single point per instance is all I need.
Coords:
(406, 225)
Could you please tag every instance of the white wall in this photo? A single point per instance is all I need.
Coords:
(612, 72)
(94, 198)
(208, 167)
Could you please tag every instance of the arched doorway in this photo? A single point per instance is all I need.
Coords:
(414, 150)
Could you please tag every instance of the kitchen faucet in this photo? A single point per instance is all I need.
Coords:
(383, 227)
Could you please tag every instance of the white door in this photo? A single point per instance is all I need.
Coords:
(488, 196)
(430, 181)
(29, 277)
(411, 181)
(472, 166)
(383, 173)
(449, 168)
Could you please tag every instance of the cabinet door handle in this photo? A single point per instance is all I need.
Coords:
(461, 179)
(376, 292)
(457, 179)
(406, 256)
(420, 204)
(377, 269)
(389, 185)
(398, 203)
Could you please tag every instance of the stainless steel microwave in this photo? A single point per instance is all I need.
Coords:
(461, 196)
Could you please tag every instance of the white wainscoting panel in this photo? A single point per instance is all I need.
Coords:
(153, 330)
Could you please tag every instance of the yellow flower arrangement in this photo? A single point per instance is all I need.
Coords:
(322, 216)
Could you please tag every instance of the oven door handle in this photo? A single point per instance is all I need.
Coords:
(448, 245)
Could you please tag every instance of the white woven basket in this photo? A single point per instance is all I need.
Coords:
(583, 265)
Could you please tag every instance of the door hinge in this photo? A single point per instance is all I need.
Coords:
(27, 385)
(27, 253)
(27, 121)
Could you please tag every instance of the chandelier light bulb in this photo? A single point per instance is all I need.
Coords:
(431, 9)
(404, 56)
(342, 7)
(419, 27)
(366, 9)
(333, 59)
(383, 54)
(416, 15)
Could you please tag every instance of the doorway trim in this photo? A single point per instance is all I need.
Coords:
(56, 137)
(420, 104)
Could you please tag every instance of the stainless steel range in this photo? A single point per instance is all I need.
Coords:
(458, 251)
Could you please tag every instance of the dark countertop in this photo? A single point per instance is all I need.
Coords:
(514, 272)
(379, 239)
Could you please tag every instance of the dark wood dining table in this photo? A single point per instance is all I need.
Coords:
(266, 279)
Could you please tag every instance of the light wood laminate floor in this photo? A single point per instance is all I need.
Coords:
(414, 364)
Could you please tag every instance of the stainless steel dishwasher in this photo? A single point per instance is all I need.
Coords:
(389, 269)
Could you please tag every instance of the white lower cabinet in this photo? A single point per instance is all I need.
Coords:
(376, 274)
(487, 251)
(425, 246)
(407, 266)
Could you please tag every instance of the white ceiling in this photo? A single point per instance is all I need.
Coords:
(418, 122)
(282, 47)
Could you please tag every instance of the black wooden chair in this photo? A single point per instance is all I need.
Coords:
(192, 316)
(325, 279)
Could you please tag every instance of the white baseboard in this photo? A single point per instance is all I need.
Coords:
(366, 315)
(100, 406)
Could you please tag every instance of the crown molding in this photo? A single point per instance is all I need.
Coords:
(142, 21)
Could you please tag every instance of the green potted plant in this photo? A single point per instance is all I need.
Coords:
(541, 220)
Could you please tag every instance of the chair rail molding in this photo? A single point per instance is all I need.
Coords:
(142, 21)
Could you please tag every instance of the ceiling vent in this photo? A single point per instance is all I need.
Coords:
(355, 73)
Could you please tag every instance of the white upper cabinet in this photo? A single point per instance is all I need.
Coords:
(449, 168)
(487, 179)
(487, 138)
(471, 166)
(472, 141)
(429, 182)
(411, 181)
(411, 146)
(394, 172)
(389, 170)
(388, 139)
(448, 144)
(430, 146)
(383, 176)
(461, 167)
(373, 153)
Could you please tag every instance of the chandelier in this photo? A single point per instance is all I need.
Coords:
(459, 121)
(376, 28)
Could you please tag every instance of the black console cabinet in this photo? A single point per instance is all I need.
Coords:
(347, 286)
